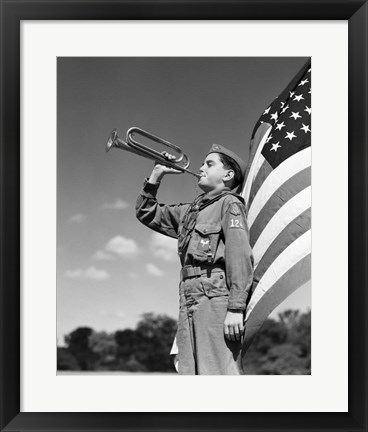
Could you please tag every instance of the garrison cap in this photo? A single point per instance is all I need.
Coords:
(216, 148)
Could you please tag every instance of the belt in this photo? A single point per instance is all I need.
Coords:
(190, 271)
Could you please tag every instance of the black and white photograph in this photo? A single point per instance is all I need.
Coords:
(184, 215)
(165, 215)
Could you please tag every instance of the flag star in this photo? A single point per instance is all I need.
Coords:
(284, 109)
(310, 91)
(295, 115)
(267, 110)
(292, 94)
(290, 135)
(269, 138)
(274, 116)
(298, 98)
(305, 128)
(309, 69)
(275, 146)
(309, 110)
(303, 82)
(280, 126)
(282, 104)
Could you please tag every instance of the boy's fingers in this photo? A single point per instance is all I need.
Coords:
(226, 332)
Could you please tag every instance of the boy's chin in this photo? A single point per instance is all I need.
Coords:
(205, 187)
(202, 187)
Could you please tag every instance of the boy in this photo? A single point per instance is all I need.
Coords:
(217, 262)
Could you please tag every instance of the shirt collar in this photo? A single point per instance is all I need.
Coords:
(209, 195)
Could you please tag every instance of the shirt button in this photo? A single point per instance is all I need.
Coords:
(221, 276)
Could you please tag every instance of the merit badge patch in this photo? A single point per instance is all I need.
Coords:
(204, 245)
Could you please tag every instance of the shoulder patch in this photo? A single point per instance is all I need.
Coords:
(234, 209)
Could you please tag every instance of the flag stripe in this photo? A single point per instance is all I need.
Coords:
(258, 167)
(290, 188)
(263, 129)
(254, 144)
(279, 175)
(288, 212)
(264, 171)
(289, 282)
(288, 258)
(287, 236)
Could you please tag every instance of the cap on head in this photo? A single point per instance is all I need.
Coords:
(216, 148)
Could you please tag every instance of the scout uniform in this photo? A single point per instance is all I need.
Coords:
(216, 275)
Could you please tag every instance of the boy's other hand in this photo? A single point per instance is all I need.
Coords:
(234, 325)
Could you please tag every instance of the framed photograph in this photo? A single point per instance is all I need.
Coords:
(193, 74)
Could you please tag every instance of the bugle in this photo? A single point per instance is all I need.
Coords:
(180, 161)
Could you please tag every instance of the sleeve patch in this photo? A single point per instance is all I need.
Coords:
(235, 222)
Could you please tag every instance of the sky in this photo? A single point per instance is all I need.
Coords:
(110, 268)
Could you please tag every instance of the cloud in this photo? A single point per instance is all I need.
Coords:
(101, 255)
(77, 218)
(123, 247)
(118, 204)
(117, 246)
(112, 314)
(90, 273)
(74, 274)
(120, 314)
(164, 247)
(93, 273)
(153, 270)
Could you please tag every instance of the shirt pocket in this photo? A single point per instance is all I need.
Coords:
(205, 242)
(215, 284)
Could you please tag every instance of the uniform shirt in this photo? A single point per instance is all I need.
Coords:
(211, 232)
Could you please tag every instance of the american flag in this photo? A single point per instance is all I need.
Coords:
(277, 192)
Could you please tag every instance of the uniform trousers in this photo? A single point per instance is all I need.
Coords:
(203, 348)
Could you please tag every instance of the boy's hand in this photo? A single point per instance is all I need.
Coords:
(234, 326)
(160, 170)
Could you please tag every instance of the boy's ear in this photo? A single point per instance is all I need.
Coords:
(229, 175)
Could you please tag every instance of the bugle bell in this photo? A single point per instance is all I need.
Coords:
(180, 161)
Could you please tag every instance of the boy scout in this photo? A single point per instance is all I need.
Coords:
(217, 262)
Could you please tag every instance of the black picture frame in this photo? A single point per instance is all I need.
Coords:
(12, 12)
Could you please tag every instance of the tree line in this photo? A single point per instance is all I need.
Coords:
(281, 347)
